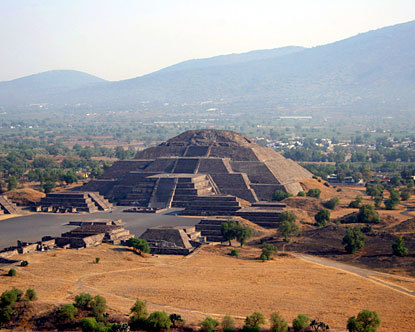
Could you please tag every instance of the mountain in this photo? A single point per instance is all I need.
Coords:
(373, 72)
(42, 87)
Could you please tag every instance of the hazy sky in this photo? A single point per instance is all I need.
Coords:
(118, 39)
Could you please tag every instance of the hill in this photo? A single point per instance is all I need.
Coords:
(44, 87)
(372, 72)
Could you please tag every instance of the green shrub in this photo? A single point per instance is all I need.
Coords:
(138, 244)
(332, 203)
(83, 300)
(89, 324)
(368, 214)
(398, 247)
(314, 193)
(326, 184)
(97, 260)
(278, 324)
(67, 312)
(256, 319)
(234, 252)
(120, 327)
(301, 194)
(300, 322)
(158, 320)
(10, 297)
(139, 309)
(268, 250)
(6, 314)
(280, 195)
(12, 272)
(31, 294)
(228, 324)
(322, 217)
(366, 321)
(209, 324)
(24, 263)
(98, 306)
(339, 190)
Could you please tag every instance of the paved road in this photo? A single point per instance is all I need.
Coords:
(364, 273)
(32, 227)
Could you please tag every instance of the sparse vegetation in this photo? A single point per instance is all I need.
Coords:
(234, 253)
(228, 324)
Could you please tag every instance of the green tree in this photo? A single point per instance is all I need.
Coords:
(268, 250)
(228, 230)
(31, 294)
(98, 306)
(158, 320)
(332, 203)
(278, 324)
(405, 195)
(378, 200)
(228, 324)
(368, 214)
(83, 301)
(209, 324)
(12, 183)
(254, 322)
(243, 234)
(322, 217)
(280, 195)
(319, 326)
(300, 322)
(288, 227)
(398, 247)
(48, 186)
(314, 193)
(366, 321)
(67, 312)
(12, 272)
(393, 200)
(176, 320)
(353, 240)
(138, 244)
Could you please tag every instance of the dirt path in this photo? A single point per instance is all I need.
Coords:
(409, 209)
(364, 273)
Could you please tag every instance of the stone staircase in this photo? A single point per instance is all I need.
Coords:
(220, 205)
(191, 187)
(68, 202)
(140, 194)
(102, 203)
(6, 206)
(210, 228)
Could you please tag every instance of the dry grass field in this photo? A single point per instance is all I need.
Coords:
(211, 282)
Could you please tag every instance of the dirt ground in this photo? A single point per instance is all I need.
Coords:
(212, 283)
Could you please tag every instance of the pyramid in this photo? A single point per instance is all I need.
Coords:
(199, 163)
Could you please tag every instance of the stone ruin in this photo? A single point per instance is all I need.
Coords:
(72, 201)
(90, 233)
(198, 164)
(7, 207)
(172, 240)
(93, 235)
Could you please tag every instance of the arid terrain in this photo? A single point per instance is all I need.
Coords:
(210, 282)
